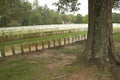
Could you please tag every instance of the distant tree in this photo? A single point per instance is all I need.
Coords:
(85, 19)
(17, 10)
(56, 18)
(79, 18)
(115, 17)
(13, 23)
(35, 4)
(25, 13)
(9, 10)
(4, 20)
(71, 18)
(65, 18)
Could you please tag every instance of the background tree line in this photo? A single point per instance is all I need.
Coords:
(116, 17)
(24, 13)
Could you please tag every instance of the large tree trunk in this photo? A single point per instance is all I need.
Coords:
(99, 44)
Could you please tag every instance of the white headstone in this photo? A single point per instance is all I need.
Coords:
(17, 48)
(0, 54)
(51, 43)
(33, 46)
(8, 51)
(80, 38)
(26, 47)
(70, 39)
(66, 41)
(45, 44)
(39, 45)
(56, 42)
(62, 41)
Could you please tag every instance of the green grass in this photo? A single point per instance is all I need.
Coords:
(36, 66)
(23, 69)
(2, 44)
(30, 67)
(117, 37)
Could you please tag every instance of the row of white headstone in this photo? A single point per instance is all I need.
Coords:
(41, 45)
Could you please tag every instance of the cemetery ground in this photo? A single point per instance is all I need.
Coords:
(61, 63)
(41, 38)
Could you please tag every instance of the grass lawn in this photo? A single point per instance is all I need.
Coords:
(53, 64)
(116, 37)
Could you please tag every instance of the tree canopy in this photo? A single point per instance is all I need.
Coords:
(73, 5)
(22, 13)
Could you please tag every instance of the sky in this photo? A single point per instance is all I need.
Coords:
(83, 7)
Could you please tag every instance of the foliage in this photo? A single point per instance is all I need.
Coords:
(116, 18)
(73, 5)
(71, 18)
(116, 4)
(13, 23)
(79, 18)
(35, 4)
(85, 19)
(67, 5)
(25, 13)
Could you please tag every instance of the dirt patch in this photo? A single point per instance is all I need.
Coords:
(115, 71)
(74, 46)
(62, 60)
(82, 76)
(117, 44)
(46, 53)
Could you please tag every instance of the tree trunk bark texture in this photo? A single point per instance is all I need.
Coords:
(99, 44)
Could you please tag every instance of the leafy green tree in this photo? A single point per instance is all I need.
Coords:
(35, 4)
(9, 9)
(115, 17)
(13, 23)
(64, 18)
(4, 20)
(57, 18)
(71, 18)
(79, 18)
(17, 10)
(26, 11)
(85, 19)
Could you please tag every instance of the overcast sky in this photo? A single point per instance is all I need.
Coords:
(83, 7)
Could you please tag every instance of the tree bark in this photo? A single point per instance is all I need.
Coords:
(99, 45)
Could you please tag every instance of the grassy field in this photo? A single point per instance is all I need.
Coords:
(53, 64)
(117, 37)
